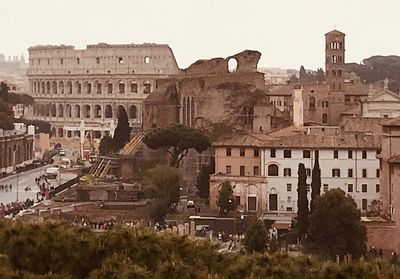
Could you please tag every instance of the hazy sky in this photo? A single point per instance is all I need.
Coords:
(288, 33)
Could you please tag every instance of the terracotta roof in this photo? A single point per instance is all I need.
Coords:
(133, 146)
(353, 111)
(285, 90)
(363, 124)
(335, 32)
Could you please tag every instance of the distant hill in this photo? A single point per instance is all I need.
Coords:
(377, 68)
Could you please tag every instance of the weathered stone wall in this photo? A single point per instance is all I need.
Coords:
(385, 236)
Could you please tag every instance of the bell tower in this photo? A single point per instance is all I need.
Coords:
(334, 60)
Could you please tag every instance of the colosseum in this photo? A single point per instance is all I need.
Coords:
(83, 89)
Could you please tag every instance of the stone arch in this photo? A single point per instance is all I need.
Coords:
(88, 87)
(53, 110)
(60, 132)
(86, 111)
(132, 112)
(273, 170)
(78, 87)
(108, 112)
(232, 64)
(60, 110)
(325, 118)
(97, 111)
(69, 87)
(68, 110)
(43, 88)
(54, 87)
(77, 111)
(61, 85)
(48, 87)
(121, 87)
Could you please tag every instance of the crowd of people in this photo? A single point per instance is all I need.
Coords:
(12, 209)
(98, 226)
(5, 187)
(44, 188)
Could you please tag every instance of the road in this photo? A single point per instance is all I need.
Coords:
(28, 179)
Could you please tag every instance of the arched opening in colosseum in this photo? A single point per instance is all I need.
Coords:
(121, 87)
(53, 110)
(88, 87)
(48, 87)
(78, 87)
(109, 87)
(77, 111)
(108, 113)
(77, 134)
(54, 87)
(98, 87)
(232, 65)
(43, 88)
(97, 111)
(60, 110)
(134, 87)
(69, 87)
(53, 132)
(146, 87)
(60, 133)
(120, 109)
(34, 87)
(68, 110)
(86, 111)
(69, 134)
(61, 85)
(47, 110)
(132, 112)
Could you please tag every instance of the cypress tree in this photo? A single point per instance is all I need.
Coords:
(302, 202)
(315, 183)
(122, 133)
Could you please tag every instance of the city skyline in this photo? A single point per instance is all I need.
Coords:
(212, 29)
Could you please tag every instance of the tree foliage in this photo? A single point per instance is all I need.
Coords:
(335, 225)
(302, 202)
(163, 184)
(122, 133)
(202, 180)
(256, 237)
(177, 139)
(225, 199)
(53, 250)
(315, 183)
(106, 145)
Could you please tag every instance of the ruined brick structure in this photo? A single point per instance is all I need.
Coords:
(70, 85)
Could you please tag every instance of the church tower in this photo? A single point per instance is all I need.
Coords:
(334, 60)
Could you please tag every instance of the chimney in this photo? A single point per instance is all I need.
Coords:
(298, 119)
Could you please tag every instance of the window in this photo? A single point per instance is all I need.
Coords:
(78, 60)
(273, 152)
(256, 152)
(377, 188)
(121, 87)
(146, 59)
(289, 187)
(308, 172)
(287, 153)
(335, 172)
(287, 172)
(228, 152)
(272, 170)
(308, 187)
(228, 169)
(325, 104)
(364, 154)
(311, 103)
(324, 118)
(289, 199)
(120, 60)
(133, 87)
(378, 173)
(326, 187)
(289, 209)
(335, 154)
(350, 154)
(242, 152)
(242, 170)
(256, 170)
(89, 88)
(364, 188)
(99, 88)
(110, 88)
(61, 61)
(364, 204)
(306, 154)
(350, 188)
(146, 89)
(350, 172)
(364, 173)
(97, 60)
